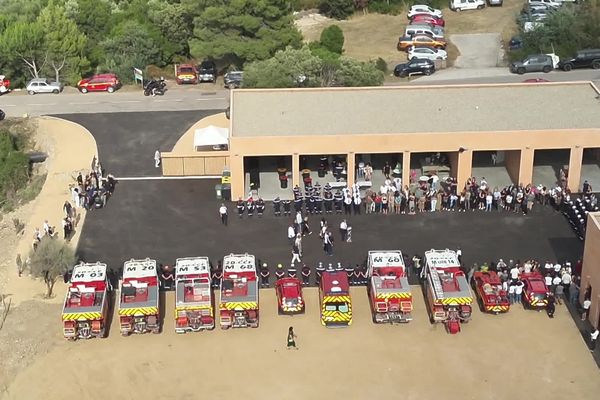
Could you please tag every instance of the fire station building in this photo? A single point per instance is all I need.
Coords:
(590, 274)
(331, 134)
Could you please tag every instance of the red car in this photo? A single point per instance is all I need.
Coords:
(99, 83)
(427, 19)
(289, 296)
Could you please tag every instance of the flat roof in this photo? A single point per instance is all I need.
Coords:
(414, 109)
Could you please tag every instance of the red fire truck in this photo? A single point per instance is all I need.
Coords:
(238, 306)
(138, 299)
(535, 291)
(86, 304)
(194, 310)
(334, 295)
(289, 296)
(493, 298)
(448, 293)
(388, 288)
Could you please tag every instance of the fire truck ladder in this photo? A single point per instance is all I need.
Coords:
(437, 284)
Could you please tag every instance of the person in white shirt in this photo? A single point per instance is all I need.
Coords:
(223, 214)
(566, 279)
(548, 280)
(511, 293)
(593, 339)
(557, 268)
(488, 202)
(548, 266)
(398, 183)
(527, 267)
(586, 309)
(519, 291)
(157, 158)
(555, 282)
(514, 273)
(501, 264)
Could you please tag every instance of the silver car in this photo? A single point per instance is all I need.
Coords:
(43, 85)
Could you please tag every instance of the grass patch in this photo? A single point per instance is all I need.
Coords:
(25, 195)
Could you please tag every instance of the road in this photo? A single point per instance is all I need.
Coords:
(214, 97)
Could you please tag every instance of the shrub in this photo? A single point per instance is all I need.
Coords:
(332, 38)
(338, 9)
(299, 5)
(381, 65)
(14, 167)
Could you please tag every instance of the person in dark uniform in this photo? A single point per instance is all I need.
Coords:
(364, 276)
(318, 203)
(317, 189)
(292, 271)
(217, 275)
(241, 207)
(279, 272)
(305, 275)
(349, 272)
(291, 339)
(327, 187)
(311, 205)
(356, 275)
(328, 202)
(319, 272)
(551, 307)
(167, 277)
(287, 207)
(260, 207)
(264, 276)
(298, 203)
(277, 206)
(296, 191)
(338, 200)
(339, 267)
(250, 206)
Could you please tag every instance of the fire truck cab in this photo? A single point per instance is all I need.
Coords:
(86, 305)
(388, 289)
(448, 293)
(193, 296)
(238, 306)
(138, 299)
(535, 291)
(493, 298)
(334, 295)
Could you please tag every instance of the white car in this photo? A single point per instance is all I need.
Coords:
(459, 5)
(427, 53)
(551, 3)
(423, 9)
(43, 85)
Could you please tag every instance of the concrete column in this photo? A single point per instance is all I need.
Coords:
(350, 168)
(465, 165)
(526, 166)
(406, 169)
(237, 176)
(295, 170)
(512, 160)
(575, 161)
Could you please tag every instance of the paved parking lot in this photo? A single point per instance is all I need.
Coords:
(166, 219)
(127, 141)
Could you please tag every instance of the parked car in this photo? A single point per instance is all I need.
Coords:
(233, 79)
(100, 83)
(186, 73)
(2, 115)
(405, 42)
(436, 32)
(415, 66)
(551, 3)
(43, 85)
(460, 5)
(427, 19)
(533, 63)
(492, 3)
(588, 58)
(427, 53)
(423, 9)
(207, 71)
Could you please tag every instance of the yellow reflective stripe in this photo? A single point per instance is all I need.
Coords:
(454, 301)
(334, 299)
(250, 305)
(384, 296)
(81, 316)
(139, 311)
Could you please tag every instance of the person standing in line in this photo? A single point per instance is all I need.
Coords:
(587, 303)
(593, 339)
(328, 244)
(291, 339)
(157, 158)
(223, 214)
(291, 233)
(519, 291)
(343, 230)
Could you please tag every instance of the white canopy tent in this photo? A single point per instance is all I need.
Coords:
(211, 138)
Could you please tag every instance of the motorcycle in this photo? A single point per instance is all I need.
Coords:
(155, 87)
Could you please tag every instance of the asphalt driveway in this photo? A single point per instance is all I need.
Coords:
(127, 141)
(477, 50)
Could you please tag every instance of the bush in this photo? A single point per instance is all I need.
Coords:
(381, 65)
(14, 167)
(338, 9)
(299, 5)
(332, 38)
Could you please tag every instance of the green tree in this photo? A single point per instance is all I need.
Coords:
(357, 73)
(237, 31)
(23, 42)
(338, 9)
(332, 38)
(130, 45)
(288, 68)
(14, 167)
(63, 42)
(50, 260)
(175, 25)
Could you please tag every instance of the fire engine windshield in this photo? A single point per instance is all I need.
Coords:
(341, 307)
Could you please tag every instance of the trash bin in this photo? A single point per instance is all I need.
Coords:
(283, 181)
(226, 192)
(218, 191)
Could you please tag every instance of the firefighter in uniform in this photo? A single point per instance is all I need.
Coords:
(216, 276)
(305, 275)
(318, 202)
(310, 204)
(287, 206)
(319, 272)
(292, 271)
(277, 206)
(279, 272)
(296, 191)
(260, 207)
(264, 276)
(241, 207)
(338, 200)
(356, 275)
(328, 202)
(364, 277)
(298, 202)
(339, 267)
(250, 206)
(349, 272)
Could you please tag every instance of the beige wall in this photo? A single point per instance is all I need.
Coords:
(590, 274)
(575, 161)
(512, 162)
(195, 164)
